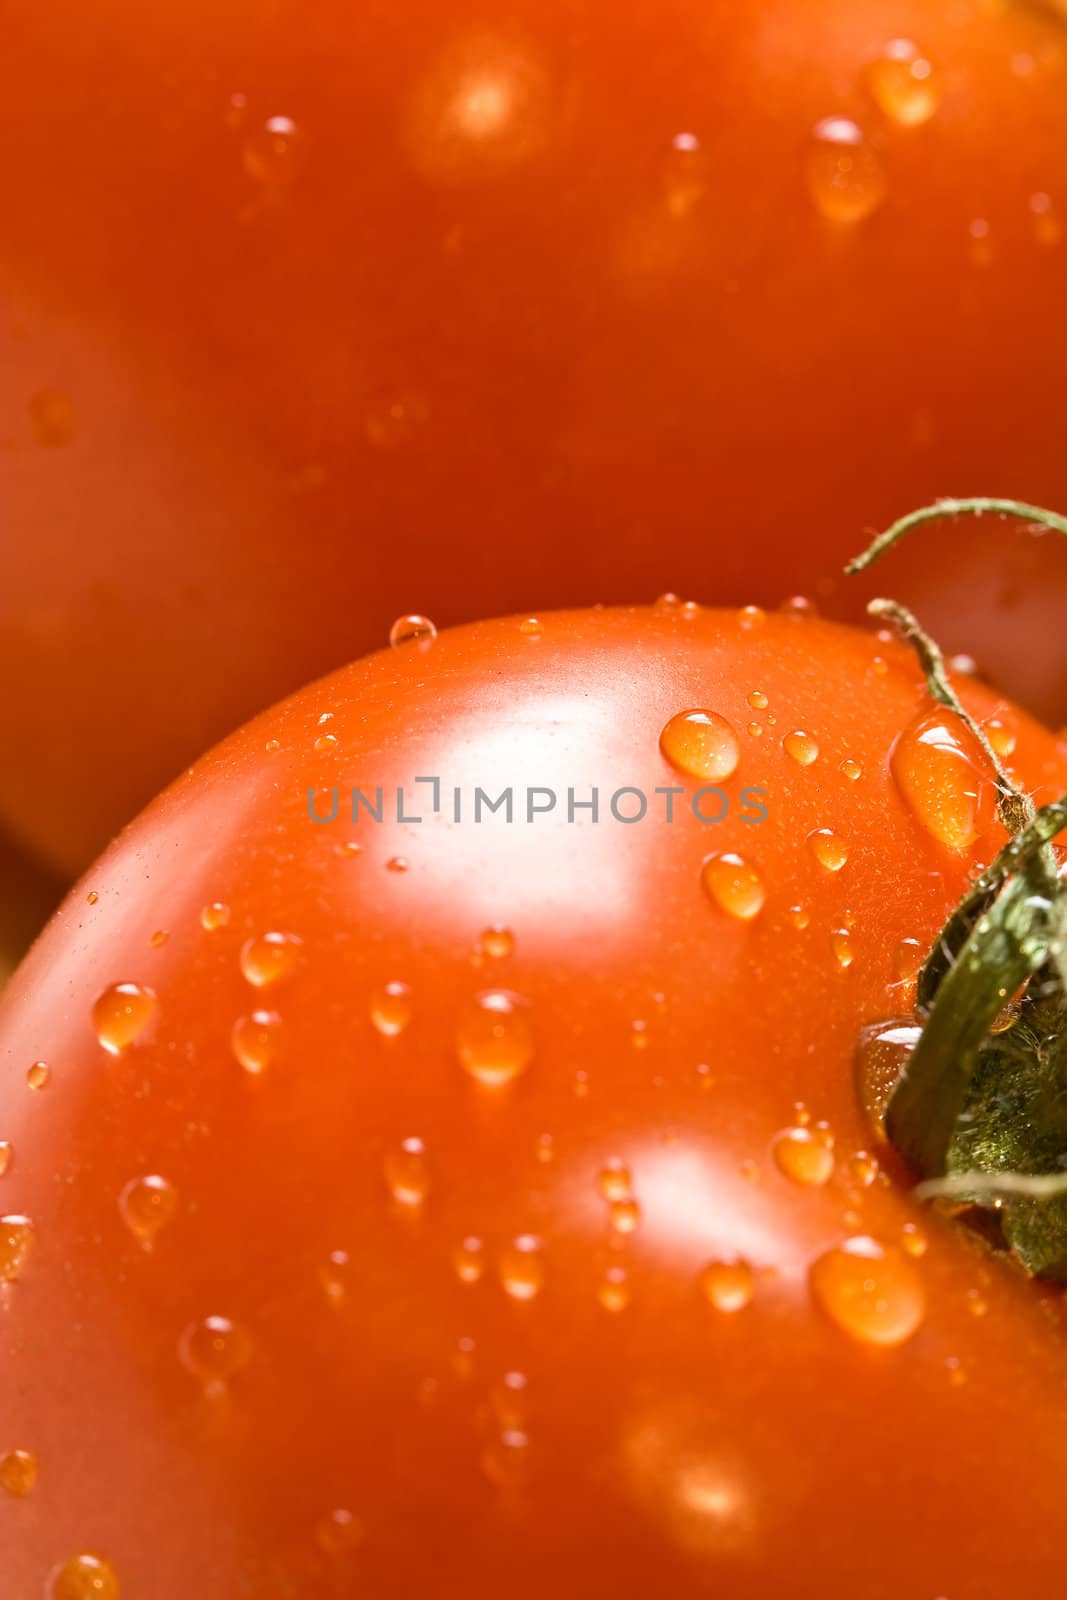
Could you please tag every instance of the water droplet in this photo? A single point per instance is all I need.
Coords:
(881, 1056)
(493, 1039)
(1001, 737)
(256, 1040)
(728, 1285)
(325, 743)
(510, 1399)
(798, 605)
(1045, 220)
(269, 957)
(841, 945)
(7, 1156)
(146, 1205)
(800, 917)
(16, 1242)
(701, 744)
(683, 175)
(84, 1577)
(667, 603)
(905, 84)
(751, 617)
(871, 1291)
(828, 848)
(412, 629)
(980, 242)
(52, 418)
(470, 1259)
(614, 1290)
(272, 155)
(406, 1173)
(397, 864)
(805, 1156)
(532, 627)
(18, 1473)
(521, 1267)
(755, 731)
(38, 1074)
(497, 943)
(395, 421)
(215, 916)
(338, 1532)
(939, 769)
(159, 938)
(272, 745)
(733, 884)
(214, 1350)
(625, 1215)
(390, 1008)
(122, 1014)
(907, 959)
(863, 1169)
(335, 1275)
(913, 1240)
(845, 175)
(505, 1462)
(91, 898)
(801, 746)
(614, 1181)
(851, 769)
(758, 700)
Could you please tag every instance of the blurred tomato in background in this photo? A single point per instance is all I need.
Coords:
(312, 316)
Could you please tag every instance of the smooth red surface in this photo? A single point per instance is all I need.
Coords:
(489, 342)
(671, 1449)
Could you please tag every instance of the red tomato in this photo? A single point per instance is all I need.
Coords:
(437, 1207)
(464, 308)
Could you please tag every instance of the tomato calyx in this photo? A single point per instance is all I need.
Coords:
(979, 1109)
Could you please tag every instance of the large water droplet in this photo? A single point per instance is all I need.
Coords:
(390, 1008)
(18, 1473)
(146, 1205)
(614, 1180)
(493, 1038)
(122, 1014)
(338, 1532)
(805, 1155)
(269, 957)
(521, 1267)
(702, 744)
(881, 1056)
(870, 1290)
(412, 629)
(828, 848)
(16, 1242)
(497, 943)
(728, 1285)
(733, 884)
(84, 1577)
(214, 1350)
(38, 1074)
(801, 746)
(272, 155)
(941, 772)
(406, 1173)
(470, 1259)
(845, 175)
(904, 84)
(215, 916)
(256, 1040)
(614, 1290)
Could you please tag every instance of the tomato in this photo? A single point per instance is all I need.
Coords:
(467, 1207)
(468, 308)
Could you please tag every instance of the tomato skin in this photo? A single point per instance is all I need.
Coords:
(664, 1445)
(555, 362)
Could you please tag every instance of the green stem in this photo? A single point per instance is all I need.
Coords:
(976, 507)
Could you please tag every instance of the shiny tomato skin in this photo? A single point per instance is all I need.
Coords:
(580, 1417)
(481, 334)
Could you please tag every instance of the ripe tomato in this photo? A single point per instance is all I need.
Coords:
(469, 307)
(461, 1207)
